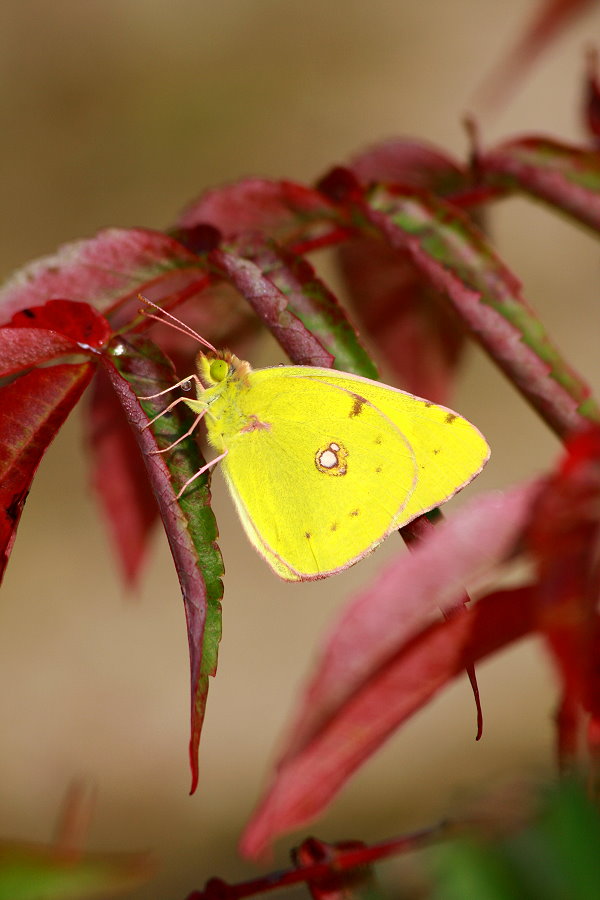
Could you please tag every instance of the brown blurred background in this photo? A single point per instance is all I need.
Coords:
(120, 113)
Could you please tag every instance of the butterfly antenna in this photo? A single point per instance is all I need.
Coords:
(175, 323)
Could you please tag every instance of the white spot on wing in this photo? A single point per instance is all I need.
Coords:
(328, 459)
(331, 459)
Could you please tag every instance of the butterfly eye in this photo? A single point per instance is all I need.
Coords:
(219, 370)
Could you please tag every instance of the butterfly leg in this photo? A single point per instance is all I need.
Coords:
(199, 387)
(164, 411)
(201, 471)
(183, 436)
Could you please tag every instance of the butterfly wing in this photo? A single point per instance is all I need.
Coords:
(331, 464)
(449, 450)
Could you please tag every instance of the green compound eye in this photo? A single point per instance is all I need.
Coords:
(219, 370)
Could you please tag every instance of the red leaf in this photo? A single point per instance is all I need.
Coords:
(410, 324)
(22, 348)
(32, 409)
(119, 478)
(304, 784)
(566, 177)
(409, 592)
(105, 270)
(75, 320)
(291, 213)
(564, 538)
(58, 328)
(409, 162)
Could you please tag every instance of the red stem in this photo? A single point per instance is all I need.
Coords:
(342, 860)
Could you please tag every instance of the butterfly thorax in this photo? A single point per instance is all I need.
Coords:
(225, 384)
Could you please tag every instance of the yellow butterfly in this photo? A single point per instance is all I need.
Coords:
(322, 465)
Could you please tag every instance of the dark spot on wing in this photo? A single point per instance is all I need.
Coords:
(334, 526)
(450, 418)
(436, 451)
(307, 535)
(378, 469)
(354, 512)
(378, 439)
(357, 405)
(428, 403)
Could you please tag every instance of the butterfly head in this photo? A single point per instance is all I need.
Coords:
(220, 367)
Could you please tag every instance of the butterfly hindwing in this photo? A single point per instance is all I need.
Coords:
(449, 450)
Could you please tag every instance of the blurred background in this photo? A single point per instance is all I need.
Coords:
(120, 113)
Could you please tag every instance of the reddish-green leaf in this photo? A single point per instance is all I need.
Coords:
(32, 409)
(138, 368)
(291, 213)
(458, 261)
(271, 305)
(411, 325)
(105, 270)
(565, 177)
(308, 298)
